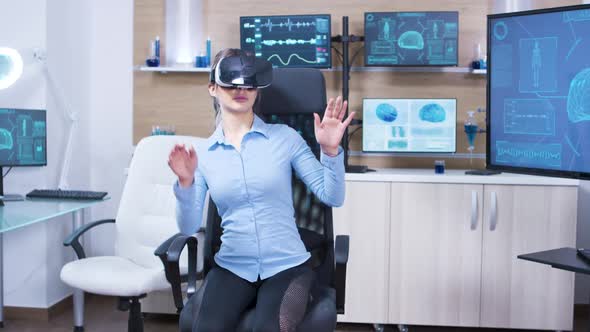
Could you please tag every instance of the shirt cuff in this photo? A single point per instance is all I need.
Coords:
(330, 161)
(185, 194)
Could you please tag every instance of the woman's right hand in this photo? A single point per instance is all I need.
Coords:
(183, 163)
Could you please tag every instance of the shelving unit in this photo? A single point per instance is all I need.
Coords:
(448, 155)
(460, 70)
(175, 69)
(463, 70)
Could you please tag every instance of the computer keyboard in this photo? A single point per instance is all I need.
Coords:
(67, 194)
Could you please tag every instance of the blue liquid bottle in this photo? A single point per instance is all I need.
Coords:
(471, 130)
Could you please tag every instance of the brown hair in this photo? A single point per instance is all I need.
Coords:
(227, 52)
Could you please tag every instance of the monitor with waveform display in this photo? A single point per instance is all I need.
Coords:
(411, 38)
(298, 41)
(538, 92)
(409, 125)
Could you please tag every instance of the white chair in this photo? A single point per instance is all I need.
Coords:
(145, 219)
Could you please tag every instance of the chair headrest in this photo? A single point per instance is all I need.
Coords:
(294, 90)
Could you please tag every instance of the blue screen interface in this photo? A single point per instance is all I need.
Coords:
(23, 137)
(298, 41)
(539, 91)
(409, 125)
(411, 39)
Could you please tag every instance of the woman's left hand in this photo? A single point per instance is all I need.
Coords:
(329, 131)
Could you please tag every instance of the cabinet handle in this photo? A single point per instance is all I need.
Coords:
(493, 212)
(473, 210)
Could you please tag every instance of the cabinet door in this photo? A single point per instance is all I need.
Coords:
(519, 220)
(365, 218)
(435, 254)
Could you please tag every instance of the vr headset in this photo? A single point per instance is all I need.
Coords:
(242, 71)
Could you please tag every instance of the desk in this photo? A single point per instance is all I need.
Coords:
(15, 215)
(562, 258)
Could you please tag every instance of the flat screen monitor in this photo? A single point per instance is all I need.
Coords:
(409, 125)
(298, 41)
(538, 92)
(23, 137)
(411, 39)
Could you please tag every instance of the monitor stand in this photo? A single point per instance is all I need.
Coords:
(356, 169)
(482, 172)
(8, 197)
(12, 197)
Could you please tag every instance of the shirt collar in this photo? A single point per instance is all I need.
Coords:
(258, 126)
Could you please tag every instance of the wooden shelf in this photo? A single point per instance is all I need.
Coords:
(174, 69)
(464, 70)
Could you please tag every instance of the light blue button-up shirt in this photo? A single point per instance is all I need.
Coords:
(252, 191)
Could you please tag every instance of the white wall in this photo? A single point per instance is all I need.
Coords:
(22, 26)
(583, 240)
(111, 111)
(89, 56)
(583, 235)
(68, 52)
(91, 46)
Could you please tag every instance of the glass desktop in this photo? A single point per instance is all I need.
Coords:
(14, 215)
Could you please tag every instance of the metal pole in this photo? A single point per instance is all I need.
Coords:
(345, 81)
(77, 222)
(1, 279)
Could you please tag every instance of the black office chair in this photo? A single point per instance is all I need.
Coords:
(293, 97)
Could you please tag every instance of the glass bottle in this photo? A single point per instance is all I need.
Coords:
(471, 131)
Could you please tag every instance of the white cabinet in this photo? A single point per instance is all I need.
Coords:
(427, 252)
(435, 254)
(518, 220)
(365, 216)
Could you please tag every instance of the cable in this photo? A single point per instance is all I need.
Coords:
(4, 175)
(356, 53)
(339, 54)
(354, 131)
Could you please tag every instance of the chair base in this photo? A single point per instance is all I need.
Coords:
(132, 304)
(78, 328)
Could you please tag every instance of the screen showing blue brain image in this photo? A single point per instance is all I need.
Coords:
(411, 39)
(288, 41)
(23, 137)
(409, 125)
(539, 90)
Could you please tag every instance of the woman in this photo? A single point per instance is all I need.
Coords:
(246, 166)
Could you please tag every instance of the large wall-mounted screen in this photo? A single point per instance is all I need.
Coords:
(539, 92)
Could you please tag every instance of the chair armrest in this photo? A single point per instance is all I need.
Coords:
(162, 249)
(169, 253)
(73, 239)
(341, 257)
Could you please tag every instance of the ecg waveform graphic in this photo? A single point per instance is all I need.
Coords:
(272, 42)
(529, 154)
(268, 24)
(286, 63)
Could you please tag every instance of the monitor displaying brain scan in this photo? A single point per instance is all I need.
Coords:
(411, 39)
(409, 125)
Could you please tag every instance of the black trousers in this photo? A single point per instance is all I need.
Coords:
(280, 300)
